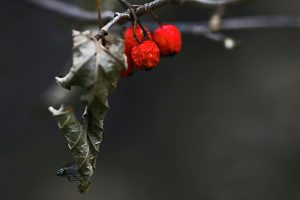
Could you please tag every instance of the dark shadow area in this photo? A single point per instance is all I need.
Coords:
(206, 124)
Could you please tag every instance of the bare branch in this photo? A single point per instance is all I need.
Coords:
(147, 8)
(213, 2)
(77, 14)
(141, 10)
(238, 23)
(196, 28)
(68, 11)
(117, 18)
(243, 23)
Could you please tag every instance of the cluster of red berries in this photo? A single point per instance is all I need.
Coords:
(145, 54)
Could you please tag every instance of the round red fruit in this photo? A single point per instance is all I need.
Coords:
(168, 39)
(130, 41)
(146, 55)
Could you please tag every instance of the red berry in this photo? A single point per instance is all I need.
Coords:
(130, 41)
(168, 39)
(130, 68)
(146, 55)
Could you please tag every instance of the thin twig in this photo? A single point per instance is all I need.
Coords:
(194, 28)
(64, 9)
(99, 14)
(238, 23)
(75, 13)
(215, 21)
(117, 18)
(133, 16)
(244, 23)
(141, 10)
(80, 15)
(214, 2)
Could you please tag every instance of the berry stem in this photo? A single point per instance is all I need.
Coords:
(134, 32)
(133, 16)
(146, 36)
(156, 18)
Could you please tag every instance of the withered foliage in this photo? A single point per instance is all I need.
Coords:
(96, 69)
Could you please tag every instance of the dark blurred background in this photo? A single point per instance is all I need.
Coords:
(206, 124)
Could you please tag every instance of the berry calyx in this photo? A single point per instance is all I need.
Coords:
(146, 55)
(130, 41)
(168, 39)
